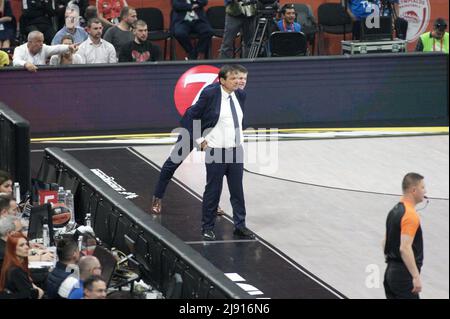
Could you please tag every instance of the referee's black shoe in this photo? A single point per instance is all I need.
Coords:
(243, 233)
(208, 235)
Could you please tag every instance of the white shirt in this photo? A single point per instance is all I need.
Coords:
(22, 55)
(223, 134)
(56, 59)
(103, 52)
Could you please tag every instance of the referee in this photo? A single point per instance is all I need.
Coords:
(403, 247)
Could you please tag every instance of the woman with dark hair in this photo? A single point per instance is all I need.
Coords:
(15, 276)
(5, 182)
(7, 31)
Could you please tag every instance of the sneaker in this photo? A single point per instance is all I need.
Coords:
(156, 205)
(243, 233)
(208, 235)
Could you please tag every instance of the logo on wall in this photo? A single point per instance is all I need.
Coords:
(417, 13)
(191, 84)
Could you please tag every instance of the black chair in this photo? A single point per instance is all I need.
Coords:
(155, 22)
(288, 44)
(308, 22)
(333, 19)
(216, 18)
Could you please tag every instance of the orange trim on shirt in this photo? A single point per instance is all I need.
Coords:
(410, 220)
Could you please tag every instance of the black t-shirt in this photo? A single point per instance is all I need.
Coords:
(143, 52)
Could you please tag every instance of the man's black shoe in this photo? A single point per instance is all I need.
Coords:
(243, 233)
(208, 235)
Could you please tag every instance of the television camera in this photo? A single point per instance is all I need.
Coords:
(267, 11)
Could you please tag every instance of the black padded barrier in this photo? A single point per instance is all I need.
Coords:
(15, 147)
(116, 220)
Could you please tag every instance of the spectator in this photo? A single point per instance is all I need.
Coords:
(72, 288)
(238, 18)
(71, 27)
(140, 49)
(4, 204)
(7, 31)
(8, 224)
(37, 16)
(287, 22)
(8, 205)
(91, 13)
(62, 7)
(94, 288)
(95, 49)
(68, 255)
(5, 182)
(35, 52)
(109, 10)
(15, 276)
(436, 39)
(121, 34)
(4, 59)
(66, 57)
(188, 16)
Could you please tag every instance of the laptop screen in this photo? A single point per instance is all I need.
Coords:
(377, 33)
(108, 262)
(40, 215)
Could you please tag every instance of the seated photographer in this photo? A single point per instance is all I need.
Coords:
(188, 16)
(287, 22)
(436, 39)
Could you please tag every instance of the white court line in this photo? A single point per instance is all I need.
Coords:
(220, 241)
(86, 148)
(141, 156)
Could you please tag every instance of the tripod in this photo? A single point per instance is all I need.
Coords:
(260, 37)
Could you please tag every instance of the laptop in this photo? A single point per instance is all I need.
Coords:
(108, 262)
(381, 33)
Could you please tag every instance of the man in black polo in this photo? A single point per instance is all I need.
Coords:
(403, 248)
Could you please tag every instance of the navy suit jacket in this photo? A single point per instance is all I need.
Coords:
(179, 9)
(207, 109)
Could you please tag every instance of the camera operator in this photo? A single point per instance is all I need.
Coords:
(435, 40)
(359, 10)
(240, 17)
(287, 22)
(37, 16)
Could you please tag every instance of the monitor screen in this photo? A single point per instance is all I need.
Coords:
(380, 33)
(40, 215)
(108, 262)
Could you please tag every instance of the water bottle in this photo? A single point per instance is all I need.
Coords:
(61, 195)
(70, 205)
(88, 220)
(17, 192)
(45, 235)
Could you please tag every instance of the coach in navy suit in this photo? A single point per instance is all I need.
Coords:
(220, 109)
(188, 16)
